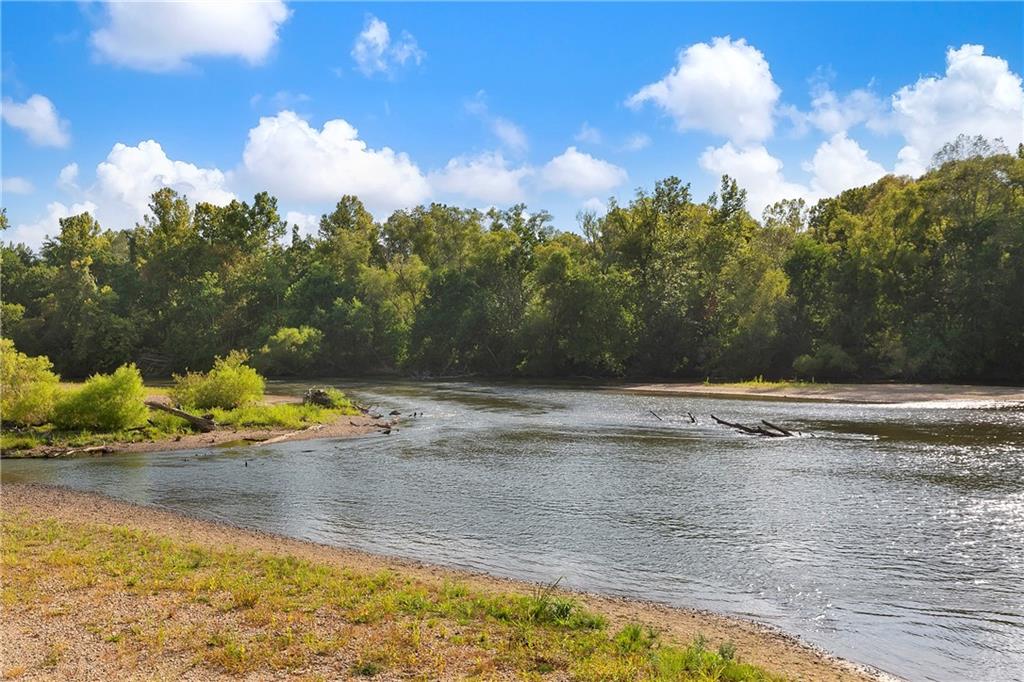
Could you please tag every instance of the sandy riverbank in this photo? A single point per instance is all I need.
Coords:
(847, 393)
(27, 631)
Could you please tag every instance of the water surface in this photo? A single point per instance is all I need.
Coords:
(893, 537)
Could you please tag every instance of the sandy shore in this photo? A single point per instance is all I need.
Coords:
(23, 635)
(847, 393)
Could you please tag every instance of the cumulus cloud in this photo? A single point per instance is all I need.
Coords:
(297, 162)
(978, 95)
(486, 177)
(595, 206)
(579, 173)
(37, 118)
(48, 225)
(308, 223)
(724, 87)
(374, 51)
(130, 174)
(16, 185)
(68, 176)
(756, 171)
(833, 113)
(164, 36)
(839, 164)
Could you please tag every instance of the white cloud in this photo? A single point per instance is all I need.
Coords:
(595, 206)
(834, 114)
(374, 52)
(16, 185)
(579, 173)
(978, 95)
(839, 164)
(129, 175)
(295, 161)
(589, 134)
(68, 176)
(308, 223)
(164, 36)
(636, 142)
(48, 225)
(724, 88)
(486, 177)
(37, 118)
(756, 171)
(511, 135)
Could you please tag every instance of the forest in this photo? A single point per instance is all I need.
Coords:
(906, 279)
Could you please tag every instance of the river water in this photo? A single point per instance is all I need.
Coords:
(893, 537)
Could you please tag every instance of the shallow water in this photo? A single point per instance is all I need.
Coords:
(893, 537)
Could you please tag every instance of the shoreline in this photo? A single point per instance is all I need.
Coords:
(345, 426)
(834, 393)
(757, 643)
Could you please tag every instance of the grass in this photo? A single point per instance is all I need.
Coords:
(284, 415)
(247, 613)
(161, 425)
(760, 382)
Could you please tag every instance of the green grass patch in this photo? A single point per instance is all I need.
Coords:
(760, 382)
(285, 415)
(252, 612)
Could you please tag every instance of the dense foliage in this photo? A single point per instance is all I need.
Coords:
(105, 402)
(229, 384)
(28, 387)
(912, 279)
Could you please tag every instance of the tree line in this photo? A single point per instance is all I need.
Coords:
(914, 279)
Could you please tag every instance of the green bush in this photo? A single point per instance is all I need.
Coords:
(291, 350)
(828, 361)
(28, 387)
(230, 384)
(106, 402)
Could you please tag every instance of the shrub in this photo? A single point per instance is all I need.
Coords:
(828, 361)
(291, 350)
(28, 387)
(106, 402)
(230, 384)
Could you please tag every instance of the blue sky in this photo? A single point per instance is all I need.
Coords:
(557, 105)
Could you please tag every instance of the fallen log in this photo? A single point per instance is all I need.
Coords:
(781, 430)
(656, 415)
(201, 423)
(92, 449)
(754, 431)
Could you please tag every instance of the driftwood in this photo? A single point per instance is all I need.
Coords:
(656, 415)
(92, 449)
(781, 430)
(202, 423)
(754, 431)
(286, 436)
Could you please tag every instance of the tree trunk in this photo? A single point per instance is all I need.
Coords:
(201, 423)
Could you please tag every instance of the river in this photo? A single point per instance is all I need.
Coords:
(892, 535)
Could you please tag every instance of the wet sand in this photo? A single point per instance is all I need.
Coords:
(24, 634)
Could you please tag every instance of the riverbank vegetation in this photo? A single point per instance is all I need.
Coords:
(906, 278)
(38, 410)
(183, 606)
